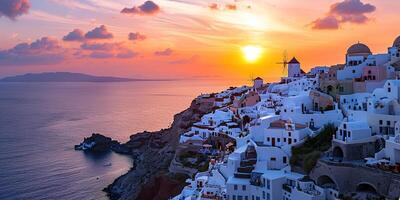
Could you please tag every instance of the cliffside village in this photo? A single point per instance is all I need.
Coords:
(247, 143)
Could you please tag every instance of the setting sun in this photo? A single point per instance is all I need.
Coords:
(251, 53)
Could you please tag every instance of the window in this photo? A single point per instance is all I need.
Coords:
(233, 197)
(284, 139)
(235, 187)
(388, 123)
(246, 198)
(268, 196)
(389, 89)
(295, 140)
(268, 139)
(284, 159)
(268, 184)
(273, 158)
(240, 197)
(263, 194)
(279, 139)
(244, 187)
(290, 134)
(344, 126)
(380, 122)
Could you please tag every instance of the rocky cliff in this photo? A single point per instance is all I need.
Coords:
(152, 153)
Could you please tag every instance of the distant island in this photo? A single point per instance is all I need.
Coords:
(69, 77)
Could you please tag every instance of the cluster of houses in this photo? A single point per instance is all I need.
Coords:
(361, 98)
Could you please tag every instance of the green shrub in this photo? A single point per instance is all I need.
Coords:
(310, 160)
(307, 155)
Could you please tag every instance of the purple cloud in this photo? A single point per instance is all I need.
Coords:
(147, 8)
(105, 50)
(136, 36)
(351, 11)
(14, 8)
(166, 52)
(98, 46)
(328, 22)
(101, 55)
(44, 51)
(184, 61)
(75, 35)
(352, 7)
(100, 32)
(127, 54)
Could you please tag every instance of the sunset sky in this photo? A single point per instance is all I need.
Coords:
(187, 38)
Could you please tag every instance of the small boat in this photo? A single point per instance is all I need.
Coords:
(107, 164)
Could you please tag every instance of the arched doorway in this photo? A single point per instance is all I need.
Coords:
(326, 182)
(338, 153)
(366, 187)
(329, 89)
(367, 191)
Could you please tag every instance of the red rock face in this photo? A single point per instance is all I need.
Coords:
(163, 187)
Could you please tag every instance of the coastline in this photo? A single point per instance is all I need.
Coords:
(152, 153)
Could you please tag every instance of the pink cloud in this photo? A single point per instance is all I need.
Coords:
(328, 22)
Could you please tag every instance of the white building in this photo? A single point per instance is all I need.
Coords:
(209, 125)
(392, 148)
(354, 131)
(319, 70)
(383, 109)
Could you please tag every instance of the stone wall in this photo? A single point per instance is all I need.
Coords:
(357, 151)
(347, 177)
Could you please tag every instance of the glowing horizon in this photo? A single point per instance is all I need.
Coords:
(190, 38)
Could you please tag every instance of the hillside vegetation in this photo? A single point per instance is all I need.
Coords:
(306, 156)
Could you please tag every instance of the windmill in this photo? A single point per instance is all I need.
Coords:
(251, 78)
(284, 62)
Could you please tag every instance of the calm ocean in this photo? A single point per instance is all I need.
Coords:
(41, 122)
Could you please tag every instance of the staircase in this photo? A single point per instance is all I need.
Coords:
(247, 164)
